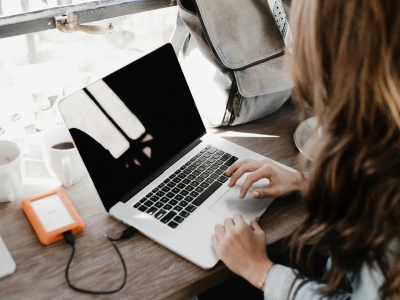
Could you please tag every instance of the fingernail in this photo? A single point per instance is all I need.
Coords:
(256, 194)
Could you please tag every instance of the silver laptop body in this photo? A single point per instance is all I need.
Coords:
(141, 138)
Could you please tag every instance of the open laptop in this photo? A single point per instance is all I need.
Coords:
(151, 160)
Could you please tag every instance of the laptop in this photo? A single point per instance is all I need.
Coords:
(151, 160)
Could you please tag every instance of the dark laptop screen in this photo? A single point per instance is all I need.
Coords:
(132, 122)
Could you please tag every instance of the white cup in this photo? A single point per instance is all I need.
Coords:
(64, 165)
(10, 171)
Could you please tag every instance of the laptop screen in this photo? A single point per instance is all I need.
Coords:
(130, 124)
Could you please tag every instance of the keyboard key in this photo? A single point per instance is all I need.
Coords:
(208, 171)
(178, 219)
(218, 171)
(213, 176)
(164, 199)
(214, 167)
(207, 147)
(160, 185)
(189, 199)
(223, 168)
(231, 160)
(204, 185)
(148, 203)
(166, 189)
(225, 157)
(143, 200)
(206, 164)
(201, 168)
(168, 217)
(183, 203)
(220, 152)
(143, 208)
(191, 208)
(194, 183)
(137, 205)
(216, 156)
(178, 197)
(173, 202)
(176, 180)
(223, 178)
(160, 214)
(171, 185)
(201, 159)
(194, 194)
(166, 181)
(196, 173)
(173, 224)
(209, 180)
(159, 204)
(152, 210)
(207, 155)
(175, 190)
(189, 188)
(181, 176)
(199, 189)
(211, 160)
(154, 198)
(178, 208)
(149, 195)
(184, 192)
(167, 207)
(181, 185)
(199, 179)
(203, 196)
(170, 195)
(186, 172)
(184, 214)
(212, 150)
(191, 177)
(185, 181)
(219, 162)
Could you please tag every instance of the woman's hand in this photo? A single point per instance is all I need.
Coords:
(242, 248)
(282, 182)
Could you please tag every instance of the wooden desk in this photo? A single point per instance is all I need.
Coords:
(153, 271)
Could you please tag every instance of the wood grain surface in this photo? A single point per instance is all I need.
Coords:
(153, 271)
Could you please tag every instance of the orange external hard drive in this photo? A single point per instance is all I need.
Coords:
(51, 214)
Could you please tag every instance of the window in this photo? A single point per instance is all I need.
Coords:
(39, 68)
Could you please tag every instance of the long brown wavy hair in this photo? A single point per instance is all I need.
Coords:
(345, 64)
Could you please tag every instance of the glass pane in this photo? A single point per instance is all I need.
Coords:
(36, 70)
(16, 7)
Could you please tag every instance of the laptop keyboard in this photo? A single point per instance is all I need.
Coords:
(172, 201)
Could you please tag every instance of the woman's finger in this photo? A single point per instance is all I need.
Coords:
(254, 224)
(219, 231)
(247, 166)
(215, 242)
(228, 224)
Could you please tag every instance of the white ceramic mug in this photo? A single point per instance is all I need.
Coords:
(10, 171)
(64, 165)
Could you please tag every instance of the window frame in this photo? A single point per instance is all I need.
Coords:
(86, 12)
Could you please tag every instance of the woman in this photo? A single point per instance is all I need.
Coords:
(346, 68)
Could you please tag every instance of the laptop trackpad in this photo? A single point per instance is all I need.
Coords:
(230, 204)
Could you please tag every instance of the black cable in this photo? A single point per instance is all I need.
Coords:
(69, 238)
